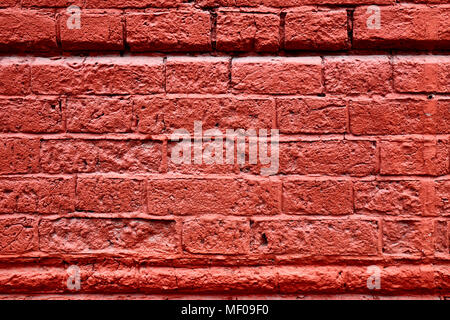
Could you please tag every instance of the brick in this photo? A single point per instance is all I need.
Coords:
(87, 156)
(389, 197)
(238, 31)
(97, 75)
(15, 76)
(403, 27)
(99, 114)
(441, 231)
(18, 235)
(399, 116)
(322, 197)
(216, 236)
(165, 114)
(82, 235)
(315, 237)
(197, 75)
(104, 4)
(287, 3)
(265, 75)
(33, 278)
(220, 196)
(37, 195)
(98, 31)
(311, 115)
(169, 31)
(443, 197)
(355, 158)
(101, 194)
(408, 237)
(422, 74)
(33, 115)
(428, 157)
(19, 155)
(8, 3)
(214, 147)
(320, 30)
(222, 279)
(27, 30)
(358, 74)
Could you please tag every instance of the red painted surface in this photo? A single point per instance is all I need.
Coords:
(86, 176)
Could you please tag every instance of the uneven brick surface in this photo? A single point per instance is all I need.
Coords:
(95, 119)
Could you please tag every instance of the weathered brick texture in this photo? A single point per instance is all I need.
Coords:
(87, 169)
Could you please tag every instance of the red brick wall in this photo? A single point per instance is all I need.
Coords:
(86, 177)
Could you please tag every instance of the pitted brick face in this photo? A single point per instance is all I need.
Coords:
(136, 138)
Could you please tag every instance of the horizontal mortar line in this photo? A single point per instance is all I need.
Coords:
(229, 176)
(283, 138)
(289, 259)
(368, 217)
(170, 95)
(52, 58)
(166, 261)
(243, 96)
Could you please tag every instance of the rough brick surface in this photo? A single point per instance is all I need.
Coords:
(248, 32)
(277, 75)
(137, 146)
(169, 31)
(98, 31)
(353, 75)
(320, 30)
(325, 157)
(429, 157)
(404, 26)
(399, 116)
(422, 74)
(98, 75)
(26, 30)
(37, 195)
(42, 115)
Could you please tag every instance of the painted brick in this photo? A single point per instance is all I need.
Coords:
(15, 76)
(238, 31)
(33, 115)
(206, 196)
(312, 115)
(315, 237)
(408, 237)
(209, 236)
(197, 75)
(414, 157)
(399, 116)
(27, 30)
(37, 195)
(390, 197)
(169, 31)
(403, 26)
(98, 75)
(165, 115)
(325, 157)
(19, 155)
(99, 194)
(327, 197)
(88, 156)
(18, 235)
(316, 30)
(99, 114)
(277, 75)
(81, 235)
(422, 74)
(98, 31)
(358, 74)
